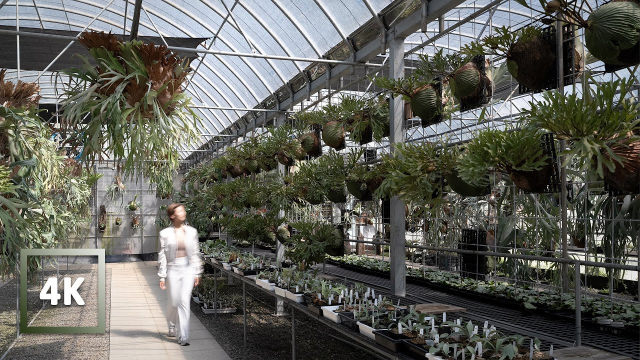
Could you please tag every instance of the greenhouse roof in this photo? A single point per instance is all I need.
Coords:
(252, 54)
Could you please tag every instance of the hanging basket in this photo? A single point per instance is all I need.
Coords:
(359, 190)
(625, 176)
(333, 134)
(532, 181)
(310, 142)
(235, 170)
(530, 62)
(366, 135)
(426, 104)
(470, 84)
(337, 196)
(463, 188)
(613, 28)
(374, 183)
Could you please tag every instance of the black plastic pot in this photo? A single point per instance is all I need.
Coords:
(389, 340)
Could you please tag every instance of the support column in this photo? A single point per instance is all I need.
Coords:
(279, 121)
(563, 169)
(397, 218)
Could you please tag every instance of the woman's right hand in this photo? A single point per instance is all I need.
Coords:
(162, 285)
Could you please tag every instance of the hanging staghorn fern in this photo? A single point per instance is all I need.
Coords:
(135, 101)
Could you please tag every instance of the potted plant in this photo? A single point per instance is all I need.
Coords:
(601, 130)
(102, 219)
(134, 94)
(611, 31)
(118, 221)
(311, 242)
(133, 204)
(517, 153)
(135, 221)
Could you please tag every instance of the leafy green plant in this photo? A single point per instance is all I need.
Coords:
(311, 242)
(517, 153)
(135, 99)
(600, 128)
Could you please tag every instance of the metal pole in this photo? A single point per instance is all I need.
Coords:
(563, 169)
(215, 290)
(18, 255)
(244, 311)
(578, 304)
(397, 213)
(293, 333)
(279, 121)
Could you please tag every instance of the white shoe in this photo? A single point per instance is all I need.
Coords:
(183, 342)
(172, 332)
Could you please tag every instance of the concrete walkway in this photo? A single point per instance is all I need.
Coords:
(138, 329)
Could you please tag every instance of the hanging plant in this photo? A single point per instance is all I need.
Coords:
(611, 31)
(367, 118)
(310, 140)
(517, 153)
(118, 221)
(333, 131)
(600, 128)
(135, 102)
(266, 151)
(447, 163)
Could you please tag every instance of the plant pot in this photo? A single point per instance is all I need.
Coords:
(532, 181)
(328, 312)
(604, 321)
(297, 297)
(386, 339)
(374, 184)
(118, 221)
(102, 227)
(617, 324)
(337, 196)
(463, 188)
(281, 292)
(366, 330)
(625, 176)
(612, 30)
(348, 319)
(227, 266)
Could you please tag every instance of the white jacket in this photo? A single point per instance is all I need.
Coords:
(168, 245)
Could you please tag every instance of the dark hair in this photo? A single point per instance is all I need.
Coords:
(172, 208)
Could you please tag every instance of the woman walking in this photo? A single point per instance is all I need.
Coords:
(180, 264)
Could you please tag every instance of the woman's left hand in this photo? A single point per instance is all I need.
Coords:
(197, 281)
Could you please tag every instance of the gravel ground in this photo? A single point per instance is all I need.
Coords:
(57, 346)
(269, 337)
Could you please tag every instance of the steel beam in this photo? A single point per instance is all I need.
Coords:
(135, 22)
(397, 219)
(402, 29)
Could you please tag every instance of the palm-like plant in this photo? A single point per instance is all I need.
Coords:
(135, 101)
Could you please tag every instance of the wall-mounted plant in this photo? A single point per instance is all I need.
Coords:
(102, 219)
(600, 128)
(135, 221)
(117, 189)
(118, 221)
(133, 204)
(514, 152)
(135, 99)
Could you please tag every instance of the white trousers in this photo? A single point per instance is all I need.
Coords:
(180, 280)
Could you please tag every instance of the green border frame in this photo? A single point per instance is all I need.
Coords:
(100, 329)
